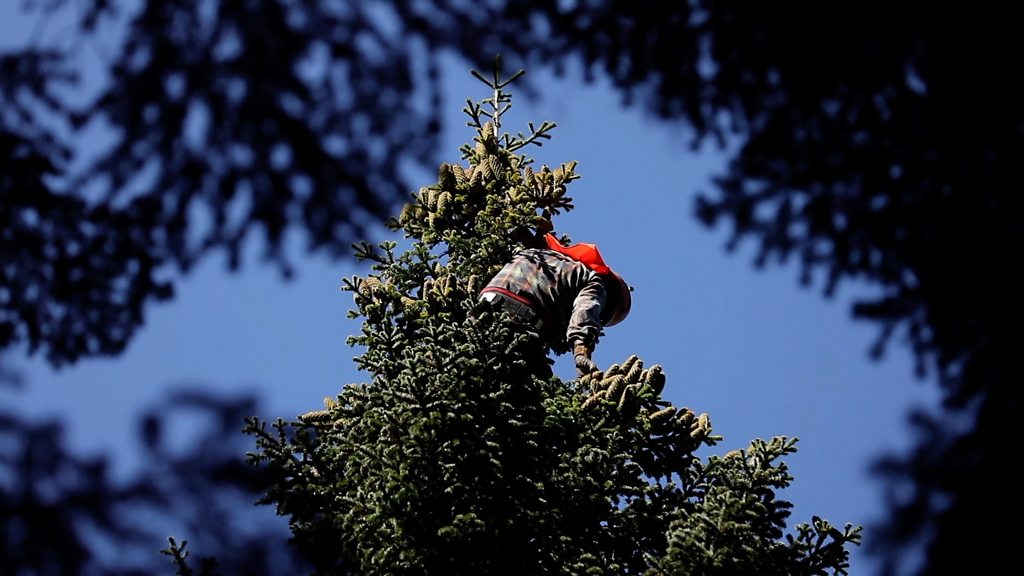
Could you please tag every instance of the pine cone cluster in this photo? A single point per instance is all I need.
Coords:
(635, 392)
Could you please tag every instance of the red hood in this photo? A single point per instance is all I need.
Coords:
(589, 255)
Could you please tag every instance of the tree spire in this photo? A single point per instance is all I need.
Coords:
(463, 454)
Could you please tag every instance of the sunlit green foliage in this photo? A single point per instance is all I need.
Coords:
(463, 454)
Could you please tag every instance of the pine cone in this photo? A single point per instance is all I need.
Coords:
(663, 416)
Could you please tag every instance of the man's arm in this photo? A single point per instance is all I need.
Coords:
(585, 323)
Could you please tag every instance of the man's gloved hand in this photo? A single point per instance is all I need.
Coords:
(584, 365)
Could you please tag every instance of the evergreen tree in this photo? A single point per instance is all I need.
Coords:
(464, 454)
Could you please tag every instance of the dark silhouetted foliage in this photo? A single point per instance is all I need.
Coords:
(66, 514)
(223, 120)
(879, 143)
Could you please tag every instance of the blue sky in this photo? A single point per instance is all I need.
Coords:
(762, 355)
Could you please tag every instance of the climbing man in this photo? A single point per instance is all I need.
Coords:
(564, 295)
